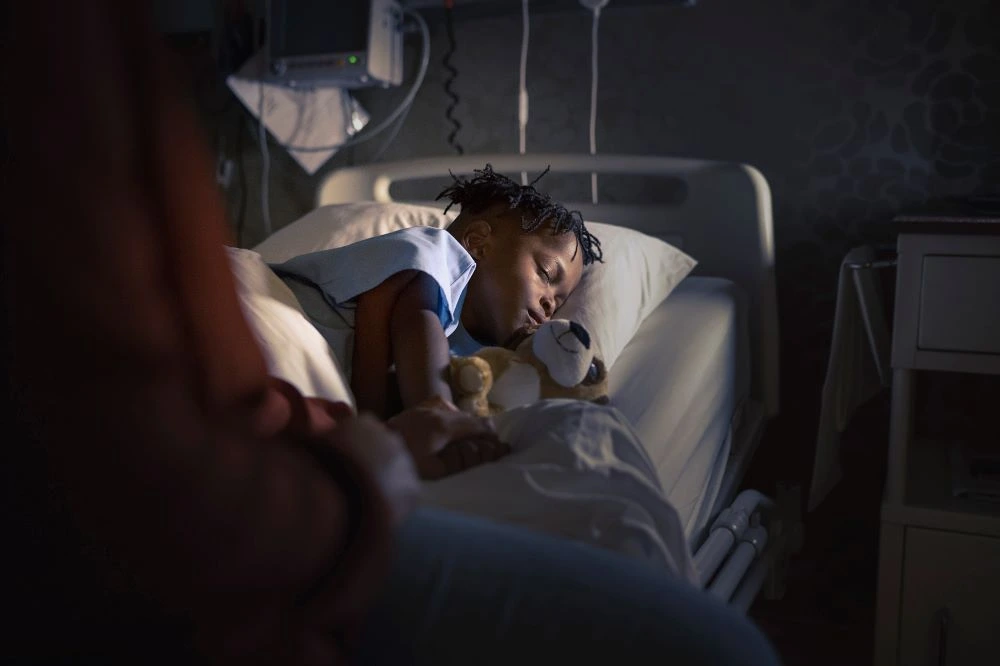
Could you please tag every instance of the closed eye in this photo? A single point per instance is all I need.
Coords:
(550, 268)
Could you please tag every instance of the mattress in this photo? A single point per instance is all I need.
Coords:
(681, 382)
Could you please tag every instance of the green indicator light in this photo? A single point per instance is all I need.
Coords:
(352, 59)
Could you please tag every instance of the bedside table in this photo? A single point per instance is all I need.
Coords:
(939, 555)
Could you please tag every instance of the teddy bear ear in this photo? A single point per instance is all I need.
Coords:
(581, 334)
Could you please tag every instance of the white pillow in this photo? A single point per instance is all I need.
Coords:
(613, 297)
(292, 347)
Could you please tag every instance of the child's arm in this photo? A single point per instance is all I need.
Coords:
(397, 322)
(419, 345)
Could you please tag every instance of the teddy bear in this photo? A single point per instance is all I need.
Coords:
(553, 360)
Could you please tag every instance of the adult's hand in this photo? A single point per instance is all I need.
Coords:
(445, 441)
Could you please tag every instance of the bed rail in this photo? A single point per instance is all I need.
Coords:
(748, 547)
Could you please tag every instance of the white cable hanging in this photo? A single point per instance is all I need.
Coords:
(522, 91)
(593, 92)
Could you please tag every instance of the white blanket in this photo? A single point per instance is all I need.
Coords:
(578, 470)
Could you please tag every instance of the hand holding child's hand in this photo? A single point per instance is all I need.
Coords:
(444, 440)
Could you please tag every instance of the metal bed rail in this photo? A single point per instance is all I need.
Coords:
(748, 546)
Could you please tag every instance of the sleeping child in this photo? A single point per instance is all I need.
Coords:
(409, 298)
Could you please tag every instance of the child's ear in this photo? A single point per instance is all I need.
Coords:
(476, 238)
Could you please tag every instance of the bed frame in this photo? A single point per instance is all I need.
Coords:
(718, 212)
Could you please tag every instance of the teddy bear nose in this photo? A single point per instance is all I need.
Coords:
(581, 334)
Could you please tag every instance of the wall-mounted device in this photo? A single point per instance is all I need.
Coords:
(340, 43)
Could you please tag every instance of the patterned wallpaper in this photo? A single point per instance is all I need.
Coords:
(850, 108)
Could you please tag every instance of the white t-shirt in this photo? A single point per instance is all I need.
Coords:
(327, 283)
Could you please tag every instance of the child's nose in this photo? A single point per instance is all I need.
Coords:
(548, 306)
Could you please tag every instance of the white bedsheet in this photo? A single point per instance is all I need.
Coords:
(679, 382)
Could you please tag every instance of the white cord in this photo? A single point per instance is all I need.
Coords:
(403, 107)
(265, 155)
(593, 100)
(522, 91)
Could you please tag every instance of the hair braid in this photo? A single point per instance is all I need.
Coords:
(488, 188)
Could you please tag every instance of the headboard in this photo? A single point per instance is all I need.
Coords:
(720, 213)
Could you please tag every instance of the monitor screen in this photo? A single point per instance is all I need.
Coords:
(315, 27)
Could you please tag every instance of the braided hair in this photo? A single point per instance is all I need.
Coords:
(488, 188)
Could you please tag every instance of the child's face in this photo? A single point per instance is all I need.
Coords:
(520, 278)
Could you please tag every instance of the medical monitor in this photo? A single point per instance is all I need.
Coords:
(339, 43)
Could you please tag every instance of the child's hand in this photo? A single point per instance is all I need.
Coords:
(444, 440)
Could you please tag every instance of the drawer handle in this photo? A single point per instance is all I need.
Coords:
(943, 622)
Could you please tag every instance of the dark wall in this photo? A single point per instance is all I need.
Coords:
(851, 109)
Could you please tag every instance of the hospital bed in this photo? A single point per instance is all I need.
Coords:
(699, 379)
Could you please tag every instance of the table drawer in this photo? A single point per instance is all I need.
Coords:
(947, 312)
(960, 304)
(951, 588)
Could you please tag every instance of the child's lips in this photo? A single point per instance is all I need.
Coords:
(534, 319)
(518, 336)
